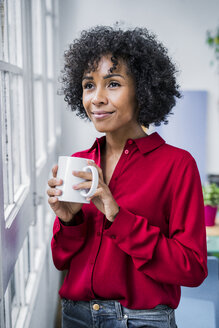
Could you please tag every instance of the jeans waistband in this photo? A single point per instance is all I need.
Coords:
(102, 307)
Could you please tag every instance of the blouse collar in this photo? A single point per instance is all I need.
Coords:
(144, 144)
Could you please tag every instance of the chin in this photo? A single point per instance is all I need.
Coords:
(103, 128)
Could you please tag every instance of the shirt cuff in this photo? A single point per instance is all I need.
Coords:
(133, 233)
(70, 231)
(77, 219)
(121, 226)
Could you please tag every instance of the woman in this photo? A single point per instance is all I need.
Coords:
(142, 236)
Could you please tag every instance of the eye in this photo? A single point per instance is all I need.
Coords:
(114, 84)
(88, 85)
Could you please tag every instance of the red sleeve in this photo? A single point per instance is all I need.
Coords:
(181, 257)
(67, 241)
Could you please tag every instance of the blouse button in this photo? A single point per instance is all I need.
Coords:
(126, 151)
(130, 142)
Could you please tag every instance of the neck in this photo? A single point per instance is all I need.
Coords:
(115, 141)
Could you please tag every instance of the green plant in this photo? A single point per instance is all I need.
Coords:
(211, 194)
(213, 41)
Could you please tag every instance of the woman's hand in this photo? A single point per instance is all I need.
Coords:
(103, 198)
(64, 210)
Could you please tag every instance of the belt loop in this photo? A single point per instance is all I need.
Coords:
(118, 309)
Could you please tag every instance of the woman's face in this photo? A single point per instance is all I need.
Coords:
(109, 98)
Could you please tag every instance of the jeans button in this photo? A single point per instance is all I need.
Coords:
(96, 307)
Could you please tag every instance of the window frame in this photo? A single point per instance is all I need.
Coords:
(22, 215)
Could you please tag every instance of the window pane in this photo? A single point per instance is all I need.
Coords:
(12, 32)
(51, 127)
(3, 31)
(26, 259)
(40, 226)
(17, 5)
(14, 296)
(17, 128)
(49, 5)
(6, 139)
(12, 299)
(49, 41)
(13, 137)
(37, 36)
(3, 135)
(13, 290)
(32, 246)
(39, 118)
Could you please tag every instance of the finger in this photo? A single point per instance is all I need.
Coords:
(82, 185)
(98, 193)
(54, 170)
(54, 192)
(52, 200)
(100, 172)
(54, 182)
(82, 174)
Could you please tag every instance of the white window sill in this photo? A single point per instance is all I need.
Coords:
(12, 209)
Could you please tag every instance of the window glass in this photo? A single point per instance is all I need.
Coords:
(20, 147)
(3, 31)
(26, 259)
(51, 127)
(39, 119)
(49, 5)
(32, 246)
(12, 32)
(6, 139)
(37, 36)
(17, 124)
(11, 299)
(40, 225)
(14, 295)
(18, 31)
(13, 138)
(49, 41)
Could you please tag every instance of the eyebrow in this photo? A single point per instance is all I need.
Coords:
(105, 77)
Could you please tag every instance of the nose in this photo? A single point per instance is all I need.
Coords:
(99, 97)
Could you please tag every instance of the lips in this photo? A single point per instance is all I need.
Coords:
(101, 114)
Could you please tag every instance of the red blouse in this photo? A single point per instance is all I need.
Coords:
(157, 241)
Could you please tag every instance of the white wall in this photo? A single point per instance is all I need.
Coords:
(180, 24)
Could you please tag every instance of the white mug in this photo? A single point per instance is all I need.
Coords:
(68, 164)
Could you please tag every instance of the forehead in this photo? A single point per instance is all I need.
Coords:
(105, 63)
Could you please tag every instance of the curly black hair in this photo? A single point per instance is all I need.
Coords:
(146, 59)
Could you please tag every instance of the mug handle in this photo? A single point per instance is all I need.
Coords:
(95, 181)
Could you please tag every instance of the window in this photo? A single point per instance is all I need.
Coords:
(12, 108)
(28, 142)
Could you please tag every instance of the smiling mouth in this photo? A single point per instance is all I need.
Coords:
(102, 114)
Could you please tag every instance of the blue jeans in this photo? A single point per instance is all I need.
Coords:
(111, 314)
